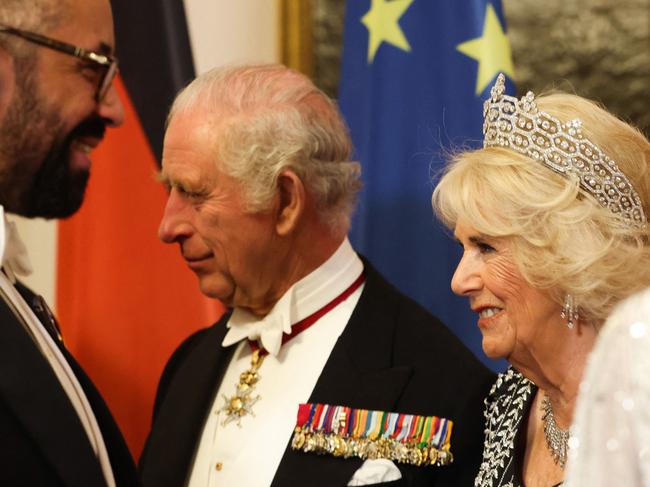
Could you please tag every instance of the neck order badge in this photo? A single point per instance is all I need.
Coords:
(241, 403)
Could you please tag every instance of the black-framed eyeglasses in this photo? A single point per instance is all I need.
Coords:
(108, 63)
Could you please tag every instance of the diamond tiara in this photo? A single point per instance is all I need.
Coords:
(519, 126)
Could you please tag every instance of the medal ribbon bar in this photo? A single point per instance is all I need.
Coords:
(349, 432)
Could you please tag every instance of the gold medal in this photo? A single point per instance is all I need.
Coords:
(241, 403)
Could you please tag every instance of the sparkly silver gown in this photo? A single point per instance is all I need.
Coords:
(610, 443)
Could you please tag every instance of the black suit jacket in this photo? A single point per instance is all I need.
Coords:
(42, 441)
(392, 356)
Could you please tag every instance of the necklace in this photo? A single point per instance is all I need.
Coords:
(557, 439)
(241, 403)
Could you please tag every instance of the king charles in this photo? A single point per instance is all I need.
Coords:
(261, 189)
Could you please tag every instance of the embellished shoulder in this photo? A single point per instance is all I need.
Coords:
(505, 407)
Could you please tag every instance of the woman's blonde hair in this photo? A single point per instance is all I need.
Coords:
(563, 241)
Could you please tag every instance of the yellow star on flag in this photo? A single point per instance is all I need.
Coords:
(382, 23)
(491, 50)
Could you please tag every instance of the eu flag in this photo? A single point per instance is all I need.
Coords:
(414, 75)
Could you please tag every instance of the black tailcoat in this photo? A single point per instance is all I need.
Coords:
(392, 356)
(42, 440)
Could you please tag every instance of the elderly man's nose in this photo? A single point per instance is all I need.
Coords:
(175, 224)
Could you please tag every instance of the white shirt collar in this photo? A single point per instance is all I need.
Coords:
(13, 253)
(305, 297)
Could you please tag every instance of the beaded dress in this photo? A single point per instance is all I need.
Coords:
(506, 413)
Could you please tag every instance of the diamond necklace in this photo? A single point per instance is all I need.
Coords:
(557, 439)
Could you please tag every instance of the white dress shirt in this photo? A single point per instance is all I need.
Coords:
(14, 260)
(249, 455)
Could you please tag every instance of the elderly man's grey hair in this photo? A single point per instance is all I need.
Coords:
(268, 119)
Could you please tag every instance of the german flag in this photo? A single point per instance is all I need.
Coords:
(126, 300)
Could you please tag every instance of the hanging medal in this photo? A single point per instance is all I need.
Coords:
(241, 403)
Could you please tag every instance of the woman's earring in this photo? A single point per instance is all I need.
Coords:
(570, 311)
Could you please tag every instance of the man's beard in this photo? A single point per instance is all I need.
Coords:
(57, 192)
(39, 178)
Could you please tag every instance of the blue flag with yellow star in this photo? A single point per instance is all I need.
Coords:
(414, 75)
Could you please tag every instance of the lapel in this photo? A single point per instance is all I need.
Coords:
(31, 389)
(122, 465)
(179, 422)
(358, 373)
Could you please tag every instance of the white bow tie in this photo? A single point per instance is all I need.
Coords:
(13, 253)
(267, 331)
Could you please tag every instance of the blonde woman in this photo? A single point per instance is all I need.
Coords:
(551, 215)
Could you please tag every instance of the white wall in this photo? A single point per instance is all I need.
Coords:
(227, 31)
(221, 32)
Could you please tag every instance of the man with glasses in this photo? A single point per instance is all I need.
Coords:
(56, 100)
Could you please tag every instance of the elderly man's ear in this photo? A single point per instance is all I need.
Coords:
(292, 202)
(7, 81)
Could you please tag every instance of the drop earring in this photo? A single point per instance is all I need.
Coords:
(570, 311)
